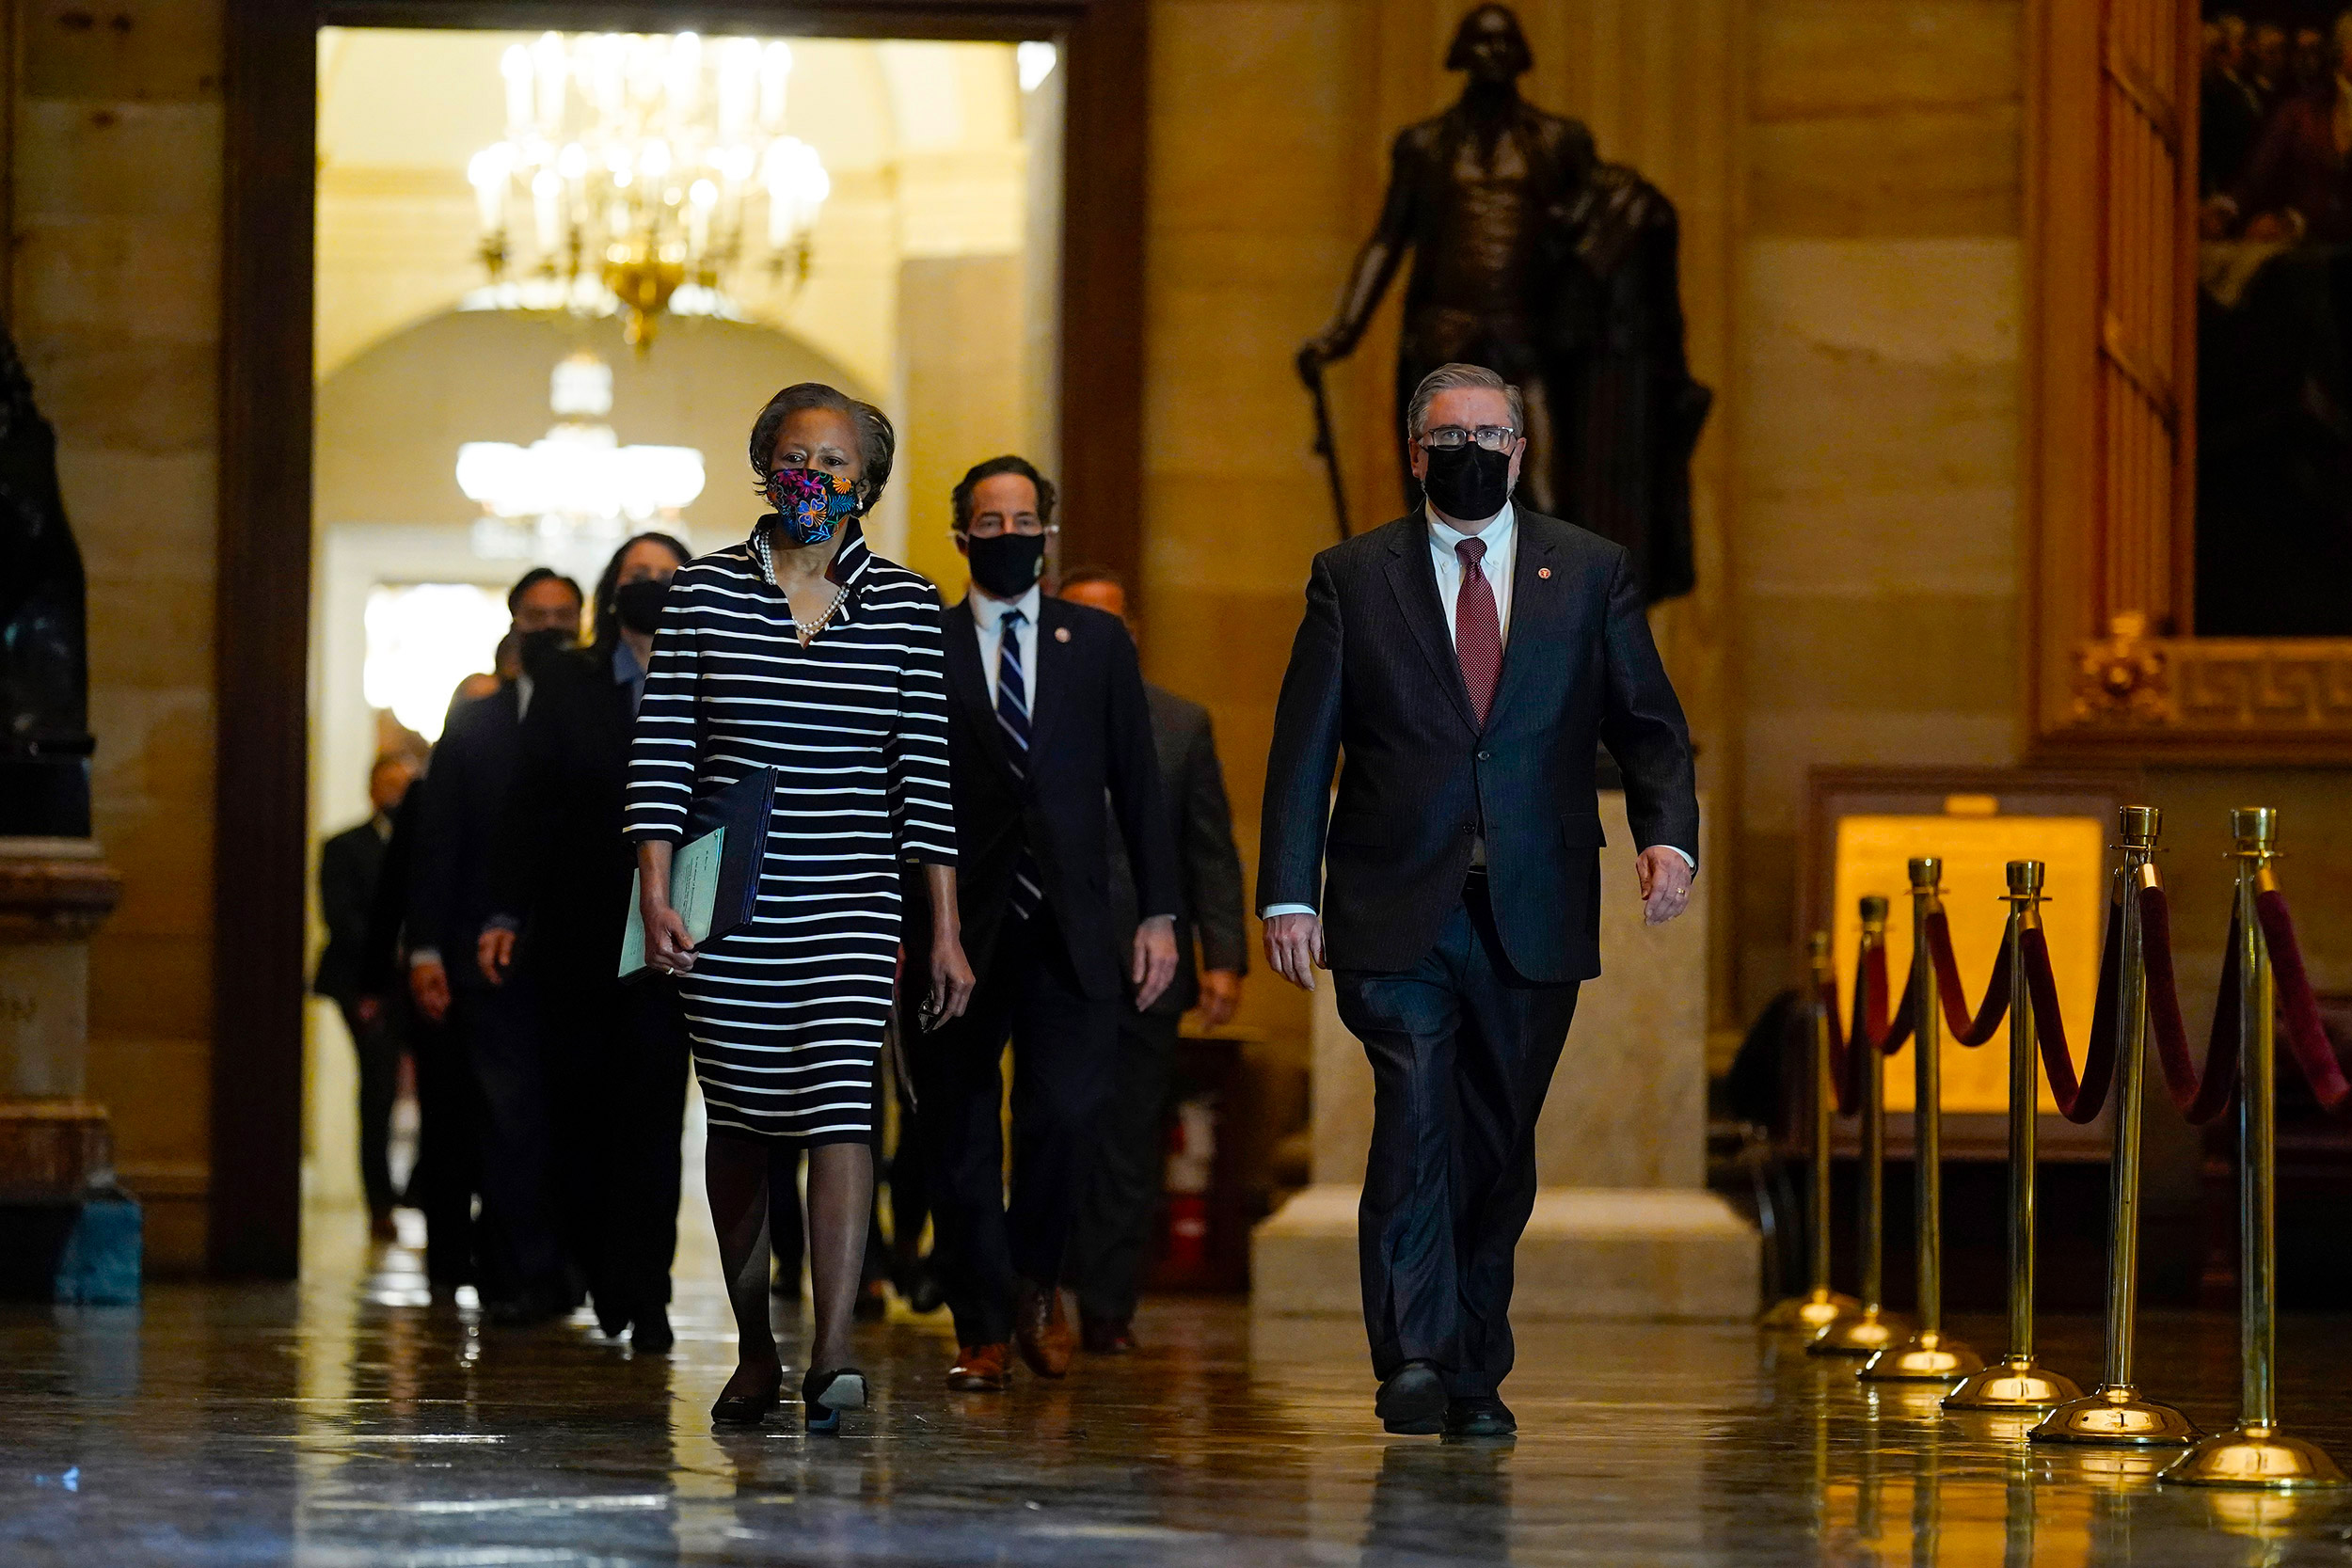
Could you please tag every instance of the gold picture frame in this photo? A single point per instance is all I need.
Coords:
(2114, 671)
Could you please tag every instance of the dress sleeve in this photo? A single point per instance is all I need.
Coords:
(921, 813)
(662, 750)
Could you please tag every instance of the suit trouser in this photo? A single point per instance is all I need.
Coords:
(448, 1170)
(378, 1047)
(1462, 1049)
(617, 1064)
(1063, 1045)
(516, 1244)
(1114, 1231)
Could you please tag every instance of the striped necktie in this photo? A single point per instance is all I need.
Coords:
(1012, 716)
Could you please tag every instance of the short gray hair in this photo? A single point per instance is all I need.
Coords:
(1448, 378)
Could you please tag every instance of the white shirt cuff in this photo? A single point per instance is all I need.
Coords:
(1272, 910)
(1688, 859)
(419, 958)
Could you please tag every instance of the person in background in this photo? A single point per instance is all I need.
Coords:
(562, 878)
(522, 1272)
(350, 865)
(1048, 723)
(798, 649)
(1107, 1250)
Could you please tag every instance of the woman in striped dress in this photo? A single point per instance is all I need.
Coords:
(802, 650)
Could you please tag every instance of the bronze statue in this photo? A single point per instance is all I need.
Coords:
(1533, 257)
(44, 658)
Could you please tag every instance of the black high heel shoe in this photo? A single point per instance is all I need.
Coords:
(748, 1410)
(825, 1395)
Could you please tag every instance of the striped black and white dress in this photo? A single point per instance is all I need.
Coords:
(786, 1013)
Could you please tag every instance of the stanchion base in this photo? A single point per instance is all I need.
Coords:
(1927, 1356)
(1866, 1334)
(2013, 1383)
(2114, 1415)
(1810, 1313)
(2256, 1459)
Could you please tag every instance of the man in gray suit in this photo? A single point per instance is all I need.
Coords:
(1115, 1225)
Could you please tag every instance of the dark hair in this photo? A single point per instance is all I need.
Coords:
(1078, 576)
(989, 470)
(531, 579)
(608, 623)
(876, 442)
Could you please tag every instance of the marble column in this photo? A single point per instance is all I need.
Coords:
(1623, 1226)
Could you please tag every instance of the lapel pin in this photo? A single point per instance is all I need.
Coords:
(1543, 571)
(1062, 634)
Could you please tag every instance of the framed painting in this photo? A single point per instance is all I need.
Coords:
(2189, 433)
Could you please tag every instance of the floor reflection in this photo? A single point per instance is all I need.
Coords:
(353, 1420)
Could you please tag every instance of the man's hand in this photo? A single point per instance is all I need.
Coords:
(494, 952)
(1294, 946)
(1221, 993)
(1665, 884)
(428, 982)
(369, 1010)
(1155, 958)
(951, 978)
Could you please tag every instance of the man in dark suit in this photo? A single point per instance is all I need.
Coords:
(1115, 1226)
(1470, 660)
(350, 865)
(1047, 721)
(451, 898)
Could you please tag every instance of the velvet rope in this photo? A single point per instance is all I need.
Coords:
(2200, 1096)
(2078, 1100)
(1953, 997)
(1871, 1023)
(2297, 1010)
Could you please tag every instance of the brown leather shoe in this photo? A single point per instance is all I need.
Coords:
(1042, 1332)
(1105, 1336)
(981, 1368)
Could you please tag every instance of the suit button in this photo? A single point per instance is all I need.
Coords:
(1470, 830)
(1484, 757)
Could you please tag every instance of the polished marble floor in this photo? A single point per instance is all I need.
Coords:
(343, 1422)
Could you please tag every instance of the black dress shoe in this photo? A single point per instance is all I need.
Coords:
(748, 1410)
(1412, 1402)
(1479, 1415)
(652, 1333)
(613, 1318)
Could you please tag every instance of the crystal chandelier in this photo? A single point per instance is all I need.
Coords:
(577, 488)
(636, 164)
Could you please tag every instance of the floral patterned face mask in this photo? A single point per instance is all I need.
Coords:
(809, 505)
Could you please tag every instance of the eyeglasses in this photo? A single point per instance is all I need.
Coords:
(1453, 438)
(990, 526)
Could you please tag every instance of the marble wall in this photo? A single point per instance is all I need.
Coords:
(114, 164)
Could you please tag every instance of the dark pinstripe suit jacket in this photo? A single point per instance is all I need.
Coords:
(1373, 674)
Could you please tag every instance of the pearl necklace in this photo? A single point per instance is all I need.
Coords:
(767, 564)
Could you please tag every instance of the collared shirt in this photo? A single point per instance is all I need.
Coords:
(989, 615)
(1501, 534)
(628, 672)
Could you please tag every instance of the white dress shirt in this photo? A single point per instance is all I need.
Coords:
(989, 615)
(1501, 534)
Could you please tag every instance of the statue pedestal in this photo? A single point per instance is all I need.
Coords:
(1623, 1227)
(67, 1232)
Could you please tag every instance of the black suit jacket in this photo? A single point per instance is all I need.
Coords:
(1089, 741)
(562, 868)
(449, 898)
(1373, 673)
(349, 866)
(1208, 867)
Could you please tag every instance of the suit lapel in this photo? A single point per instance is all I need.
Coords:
(1536, 604)
(968, 684)
(1051, 684)
(1414, 581)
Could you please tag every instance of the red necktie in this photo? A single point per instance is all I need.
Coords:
(1477, 629)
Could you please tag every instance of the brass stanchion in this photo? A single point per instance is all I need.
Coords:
(1929, 1356)
(2254, 1455)
(1871, 1329)
(2017, 1381)
(2114, 1414)
(1820, 1306)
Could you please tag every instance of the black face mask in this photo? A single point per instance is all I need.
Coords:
(547, 643)
(639, 604)
(1007, 565)
(1468, 482)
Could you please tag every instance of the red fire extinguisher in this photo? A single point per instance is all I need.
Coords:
(1191, 1155)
